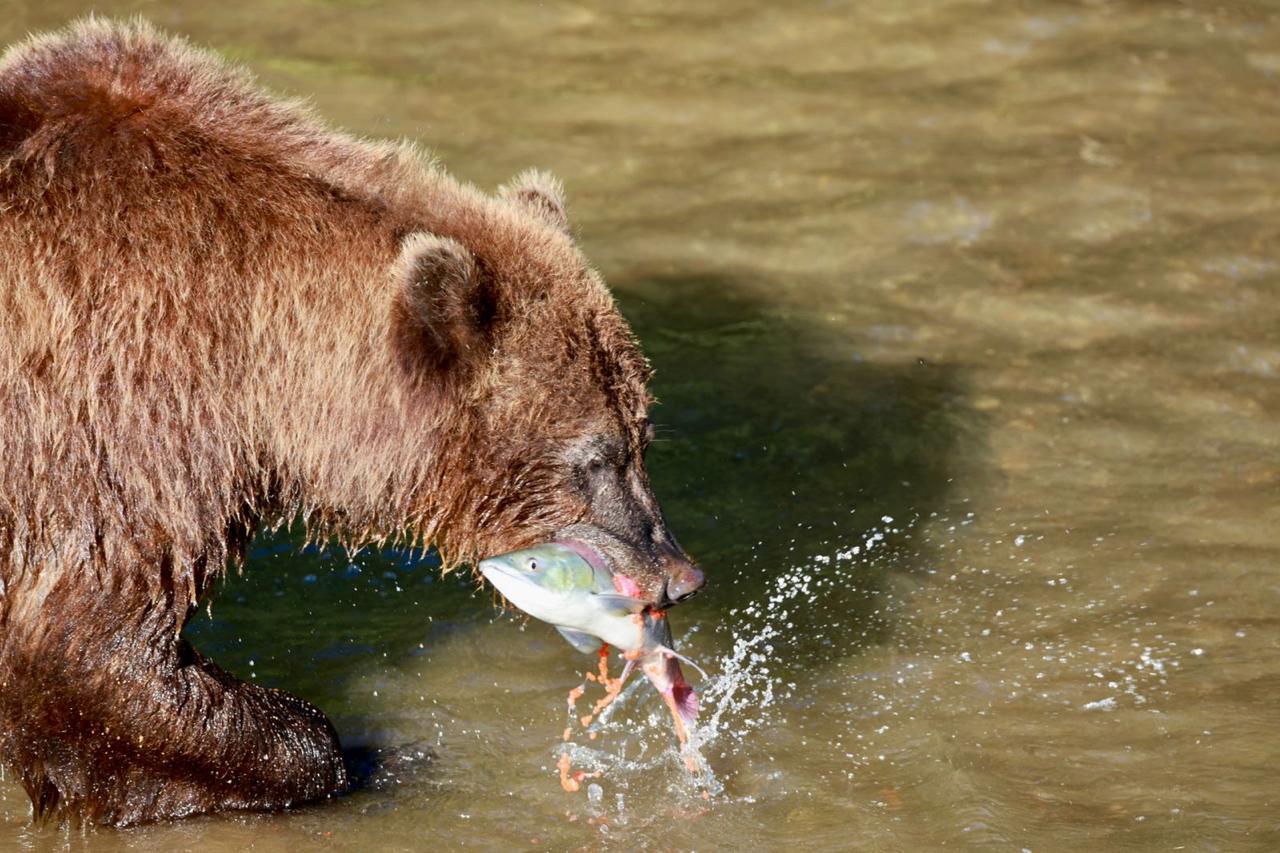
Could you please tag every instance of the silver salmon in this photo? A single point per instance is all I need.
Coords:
(554, 583)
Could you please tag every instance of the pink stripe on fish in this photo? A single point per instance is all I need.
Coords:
(626, 585)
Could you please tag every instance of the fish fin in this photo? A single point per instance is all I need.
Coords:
(620, 602)
(670, 652)
(580, 640)
(626, 670)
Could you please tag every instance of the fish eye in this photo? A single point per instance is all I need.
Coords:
(533, 565)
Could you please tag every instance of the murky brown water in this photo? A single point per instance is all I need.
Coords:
(1007, 276)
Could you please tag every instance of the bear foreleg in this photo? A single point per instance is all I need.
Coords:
(106, 715)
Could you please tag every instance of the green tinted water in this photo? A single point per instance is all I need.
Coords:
(967, 332)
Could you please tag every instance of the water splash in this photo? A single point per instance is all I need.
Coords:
(746, 691)
(872, 637)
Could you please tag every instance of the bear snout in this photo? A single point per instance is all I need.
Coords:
(684, 579)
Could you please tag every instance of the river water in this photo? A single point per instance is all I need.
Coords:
(966, 318)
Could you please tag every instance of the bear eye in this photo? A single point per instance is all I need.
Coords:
(602, 455)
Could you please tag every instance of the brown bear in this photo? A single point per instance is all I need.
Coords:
(218, 315)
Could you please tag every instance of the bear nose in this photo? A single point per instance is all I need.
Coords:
(683, 580)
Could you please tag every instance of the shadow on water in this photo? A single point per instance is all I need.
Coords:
(781, 442)
(312, 620)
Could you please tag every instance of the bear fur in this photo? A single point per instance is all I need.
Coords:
(218, 315)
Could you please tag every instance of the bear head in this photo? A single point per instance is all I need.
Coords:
(539, 393)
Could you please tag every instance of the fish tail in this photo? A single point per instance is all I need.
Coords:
(685, 702)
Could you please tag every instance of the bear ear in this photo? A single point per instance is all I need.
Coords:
(442, 313)
(538, 193)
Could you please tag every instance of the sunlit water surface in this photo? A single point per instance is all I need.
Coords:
(966, 324)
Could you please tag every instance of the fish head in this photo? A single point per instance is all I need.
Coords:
(555, 583)
(550, 582)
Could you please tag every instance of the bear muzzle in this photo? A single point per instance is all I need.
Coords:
(684, 579)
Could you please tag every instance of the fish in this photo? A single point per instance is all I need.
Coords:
(554, 583)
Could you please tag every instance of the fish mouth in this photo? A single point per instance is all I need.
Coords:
(496, 566)
(504, 577)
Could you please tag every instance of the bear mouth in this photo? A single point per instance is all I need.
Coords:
(599, 560)
(594, 557)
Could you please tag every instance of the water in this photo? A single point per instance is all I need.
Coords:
(968, 340)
